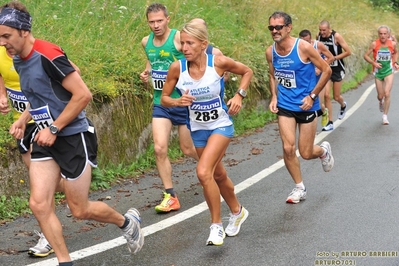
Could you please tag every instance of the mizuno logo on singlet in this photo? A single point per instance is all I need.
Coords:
(40, 116)
(205, 107)
(158, 75)
(283, 74)
(17, 96)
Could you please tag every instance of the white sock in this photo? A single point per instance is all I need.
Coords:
(300, 186)
(324, 153)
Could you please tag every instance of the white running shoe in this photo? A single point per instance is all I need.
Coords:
(342, 112)
(385, 120)
(328, 127)
(328, 160)
(296, 195)
(236, 221)
(133, 234)
(216, 235)
(381, 105)
(42, 249)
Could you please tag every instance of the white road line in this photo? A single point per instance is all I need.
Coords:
(352, 110)
(180, 217)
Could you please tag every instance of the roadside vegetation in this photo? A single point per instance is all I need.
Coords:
(103, 39)
(387, 5)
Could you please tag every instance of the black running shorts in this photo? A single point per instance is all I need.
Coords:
(337, 75)
(71, 153)
(29, 135)
(300, 117)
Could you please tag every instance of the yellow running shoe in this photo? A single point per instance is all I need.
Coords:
(324, 118)
(168, 203)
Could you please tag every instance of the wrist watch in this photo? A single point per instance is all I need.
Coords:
(313, 96)
(54, 129)
(242, 93)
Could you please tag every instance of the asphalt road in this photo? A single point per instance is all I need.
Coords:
(349, 217)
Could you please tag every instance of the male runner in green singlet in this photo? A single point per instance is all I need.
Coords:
(384, 64)
(162, 48)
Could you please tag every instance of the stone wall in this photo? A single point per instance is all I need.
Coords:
(123, 133)
(123, 129)
(13, 173)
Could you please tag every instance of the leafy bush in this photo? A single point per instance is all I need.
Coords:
(6, 140)
(11, 207)
(387, 5)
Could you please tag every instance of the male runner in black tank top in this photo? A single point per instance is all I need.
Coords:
(340, 49)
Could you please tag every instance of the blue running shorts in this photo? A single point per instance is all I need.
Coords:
(200, 137)
(177, 115)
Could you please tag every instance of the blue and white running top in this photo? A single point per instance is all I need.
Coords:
(295, 79)
(209, 110)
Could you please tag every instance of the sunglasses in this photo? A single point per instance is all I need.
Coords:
(277, 27)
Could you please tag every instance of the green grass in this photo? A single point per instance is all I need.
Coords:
(5, 138)
(103, 39)
(357, 79)
(13, 206)
(249, 120)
